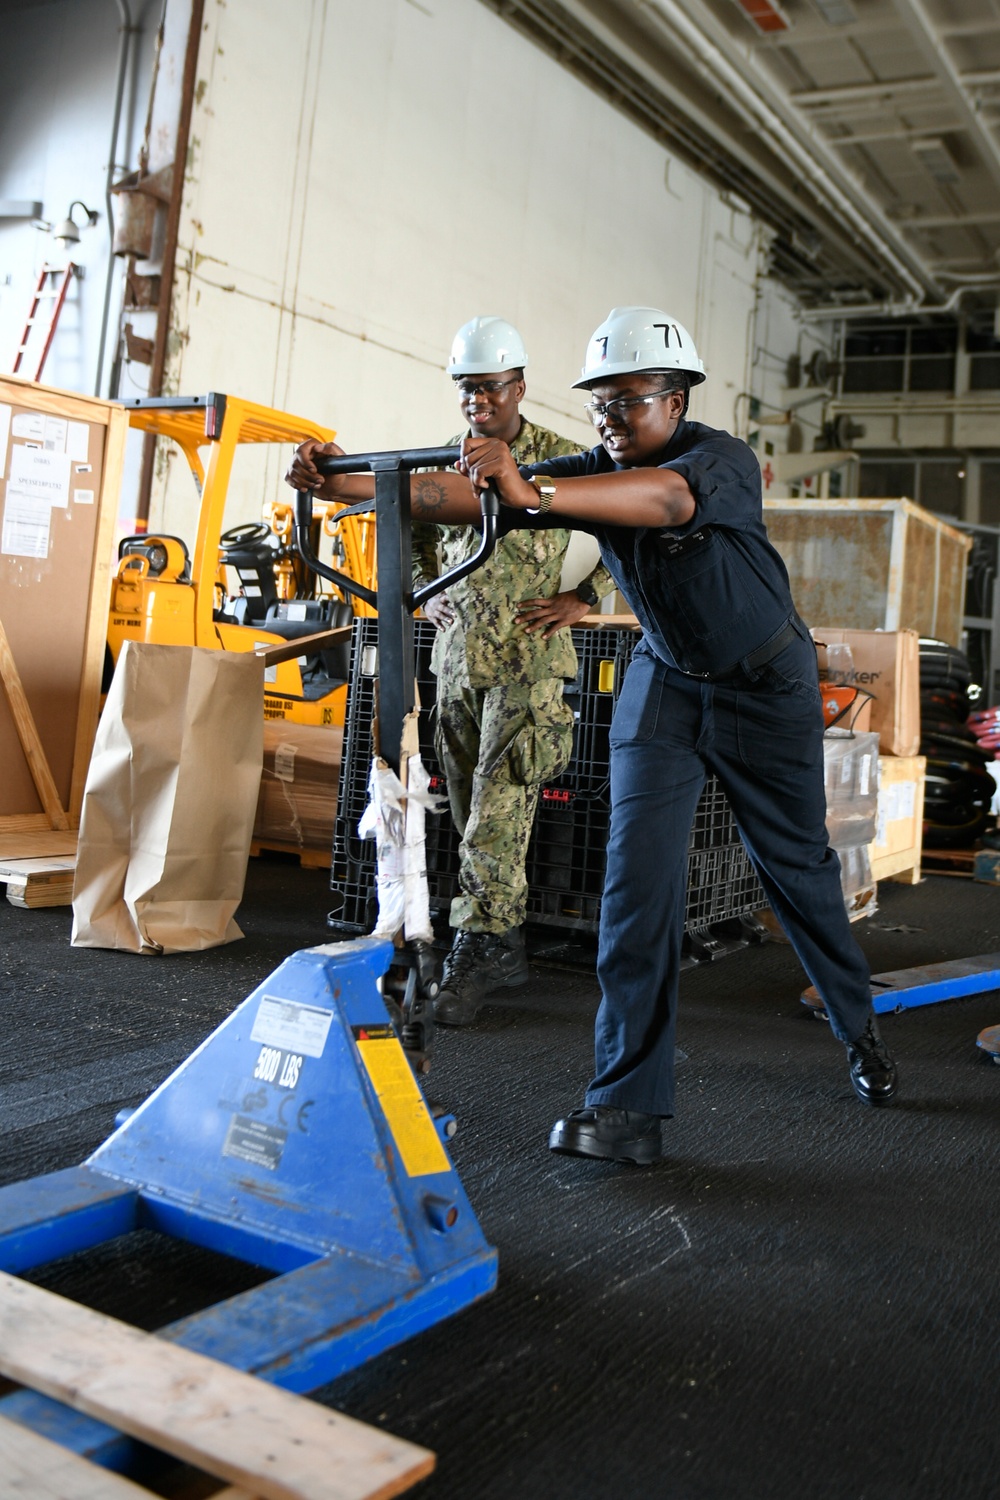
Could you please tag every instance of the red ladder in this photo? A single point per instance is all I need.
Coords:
(57, 294)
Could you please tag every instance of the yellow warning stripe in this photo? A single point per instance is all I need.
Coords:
(406, 1114)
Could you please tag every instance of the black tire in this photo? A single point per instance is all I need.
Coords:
(931, 649)
(934, 680)
(954, 838)
(949, 728)
(932, 744)
(943, 703)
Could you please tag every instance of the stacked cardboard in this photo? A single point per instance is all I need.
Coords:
(297, 804)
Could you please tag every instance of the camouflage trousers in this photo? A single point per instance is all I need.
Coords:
(496, 747)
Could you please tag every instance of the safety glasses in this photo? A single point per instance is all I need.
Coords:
(599, 413)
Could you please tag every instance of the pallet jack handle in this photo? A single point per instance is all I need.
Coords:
(412, 982)
(395, 600)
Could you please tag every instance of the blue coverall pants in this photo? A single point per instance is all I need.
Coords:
(761, 733)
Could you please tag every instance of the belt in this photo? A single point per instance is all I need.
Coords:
(770, 649)
(758, 658)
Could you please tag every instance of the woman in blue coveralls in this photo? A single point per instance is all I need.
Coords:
(724, 680)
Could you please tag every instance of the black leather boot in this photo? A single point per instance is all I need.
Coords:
(478, 963)
(612, 1134)
(873, 1072)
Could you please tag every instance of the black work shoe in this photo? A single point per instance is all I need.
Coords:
(873, 1072)
(613, 1134)
(478, 963)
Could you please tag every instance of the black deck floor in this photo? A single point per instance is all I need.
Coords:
(801, 1301)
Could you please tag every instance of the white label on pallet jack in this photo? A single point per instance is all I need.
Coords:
(293, 1027)
(255, 1141)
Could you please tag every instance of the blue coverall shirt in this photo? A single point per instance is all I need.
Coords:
(723, 683)
(710, 591)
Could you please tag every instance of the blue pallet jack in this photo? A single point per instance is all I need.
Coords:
(296, 1137)
(927, 984)
(989, 1041)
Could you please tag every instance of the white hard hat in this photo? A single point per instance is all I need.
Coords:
(637, 339)
(484, 345)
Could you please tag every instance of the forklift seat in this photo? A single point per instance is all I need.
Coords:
(251, 550)
(309, 617)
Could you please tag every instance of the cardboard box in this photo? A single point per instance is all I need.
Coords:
(896, 848)
(886, 664)
(297, 803)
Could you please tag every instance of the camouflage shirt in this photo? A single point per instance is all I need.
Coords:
(485, 645)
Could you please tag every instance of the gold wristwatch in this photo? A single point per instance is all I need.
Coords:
(546, 488)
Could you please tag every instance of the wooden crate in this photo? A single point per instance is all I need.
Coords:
(60, 472)
(872, 564)
(895, 852)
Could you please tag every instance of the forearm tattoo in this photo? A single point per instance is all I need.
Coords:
(427, 495)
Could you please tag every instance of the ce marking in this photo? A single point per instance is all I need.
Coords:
(301, 1114)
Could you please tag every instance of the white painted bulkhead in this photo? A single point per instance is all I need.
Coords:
(364, 178)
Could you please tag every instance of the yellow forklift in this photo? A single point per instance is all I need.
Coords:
(245, 587)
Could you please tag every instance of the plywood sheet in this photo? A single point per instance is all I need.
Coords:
(838, 564)
(264, 1439)
(872, 564)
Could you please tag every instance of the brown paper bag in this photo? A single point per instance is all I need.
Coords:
(169, 801)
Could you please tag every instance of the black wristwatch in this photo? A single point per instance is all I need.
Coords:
(586, 593)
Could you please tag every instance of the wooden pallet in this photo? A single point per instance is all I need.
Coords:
(309, 858)
(44, 880)
(265, 1441)
(949, 862)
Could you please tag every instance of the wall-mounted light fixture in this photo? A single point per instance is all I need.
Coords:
(67, 231)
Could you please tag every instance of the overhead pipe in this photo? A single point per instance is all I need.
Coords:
(917, 299)
(777, 134)
(857, 93)
(587, 42)
(914, 13)
(895, 309)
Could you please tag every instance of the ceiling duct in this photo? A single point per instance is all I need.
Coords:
(936, 159)
(836, 12)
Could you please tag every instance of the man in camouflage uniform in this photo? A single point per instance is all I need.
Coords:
(501, 656)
